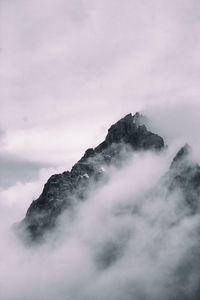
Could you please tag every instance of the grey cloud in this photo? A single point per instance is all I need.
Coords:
(13, 170)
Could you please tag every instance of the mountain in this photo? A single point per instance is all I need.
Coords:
(129, 134)
(130, 225)
(61, 190)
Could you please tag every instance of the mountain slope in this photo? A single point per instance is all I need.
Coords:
(61, 189)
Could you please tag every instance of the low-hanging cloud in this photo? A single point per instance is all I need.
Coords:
(130, 239)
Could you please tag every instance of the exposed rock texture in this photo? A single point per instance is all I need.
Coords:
(131, 130)
(61, 189)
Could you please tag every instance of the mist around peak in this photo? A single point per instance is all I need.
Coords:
(132, 238)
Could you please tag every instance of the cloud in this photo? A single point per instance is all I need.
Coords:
(82, 63)
(129, 239)
(177, 123)
(15, 170)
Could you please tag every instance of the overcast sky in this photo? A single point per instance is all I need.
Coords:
(69, 69)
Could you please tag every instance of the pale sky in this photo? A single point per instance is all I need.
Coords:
(69, 69)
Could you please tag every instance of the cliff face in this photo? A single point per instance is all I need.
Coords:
(61, 189)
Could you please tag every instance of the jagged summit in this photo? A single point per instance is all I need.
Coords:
(132, 130)
(61, 189)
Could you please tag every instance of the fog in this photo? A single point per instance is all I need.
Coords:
(129, 239)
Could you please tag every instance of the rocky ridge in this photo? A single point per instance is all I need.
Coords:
(61, 190)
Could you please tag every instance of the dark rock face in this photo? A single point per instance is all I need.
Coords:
(132, 131)
(61, 189)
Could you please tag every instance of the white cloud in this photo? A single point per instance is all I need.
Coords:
(127, 240)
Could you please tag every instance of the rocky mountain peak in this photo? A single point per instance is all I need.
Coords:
(61, 189)
(131, 130)
(125, 127)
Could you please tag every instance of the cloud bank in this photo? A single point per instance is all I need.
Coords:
(131, 238)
